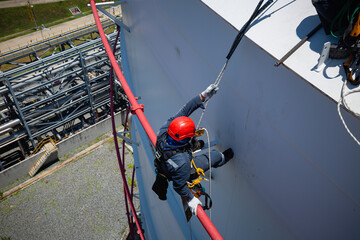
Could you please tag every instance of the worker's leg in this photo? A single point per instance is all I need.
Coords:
(217, 159)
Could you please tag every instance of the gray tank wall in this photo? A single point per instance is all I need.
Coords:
(295, 171)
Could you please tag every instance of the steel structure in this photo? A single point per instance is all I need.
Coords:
(36, 51)
(54, 96)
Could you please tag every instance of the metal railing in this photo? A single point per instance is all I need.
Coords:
(138, 110)
(41, 144)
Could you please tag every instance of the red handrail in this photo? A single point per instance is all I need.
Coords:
(121, 162)
(125, 86)
(208, 225)
(138, 110)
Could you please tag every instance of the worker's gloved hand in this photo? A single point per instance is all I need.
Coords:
(210, 91)
(193, 204)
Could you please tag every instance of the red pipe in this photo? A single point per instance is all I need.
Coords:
(117, 70)
(130, 219)
(208, 225)
(138, 109)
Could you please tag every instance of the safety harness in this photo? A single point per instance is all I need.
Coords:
(352, 40)
(196, 175)
(349, 44)
(198, 172)
(195, 185)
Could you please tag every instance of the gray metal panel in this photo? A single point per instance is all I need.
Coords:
(295, 172)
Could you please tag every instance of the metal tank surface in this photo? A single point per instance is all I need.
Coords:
(295, 170)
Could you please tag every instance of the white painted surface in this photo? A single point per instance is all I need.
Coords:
(279, 29)
(295, 171)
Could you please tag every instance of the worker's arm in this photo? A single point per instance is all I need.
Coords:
(196, 102)
(180, 177)
(191, 106)
(186, 110)
(208, 92)
(180, 186)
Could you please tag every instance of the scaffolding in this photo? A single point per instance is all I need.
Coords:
(49, 46)
(54, 96)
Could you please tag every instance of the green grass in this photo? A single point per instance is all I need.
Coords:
(16, 19)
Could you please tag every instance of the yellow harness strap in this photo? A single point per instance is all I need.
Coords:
(200, 172)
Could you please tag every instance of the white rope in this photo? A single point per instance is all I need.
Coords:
(190, 230)
(216, 83)
(218, 79)
(342, 99)
(208, 139)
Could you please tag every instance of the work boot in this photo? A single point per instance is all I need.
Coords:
(228, 154)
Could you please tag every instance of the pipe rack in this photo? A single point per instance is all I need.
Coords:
(54, 96)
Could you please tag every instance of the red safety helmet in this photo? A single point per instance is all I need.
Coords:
(181, 128)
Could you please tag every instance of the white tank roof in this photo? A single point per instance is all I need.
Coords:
(279, 29)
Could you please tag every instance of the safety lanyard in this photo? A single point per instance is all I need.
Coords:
(199, 172)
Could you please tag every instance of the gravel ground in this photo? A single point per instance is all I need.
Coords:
(83, 200)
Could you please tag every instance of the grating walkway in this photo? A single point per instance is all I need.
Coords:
(83, 200)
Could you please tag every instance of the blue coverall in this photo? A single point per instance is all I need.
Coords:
(178, 167)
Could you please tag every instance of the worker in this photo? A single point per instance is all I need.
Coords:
(175, 142)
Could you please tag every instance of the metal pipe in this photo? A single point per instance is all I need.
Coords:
(109, 3)
(54, 70)
(297, 46)
(3, 112)
(208, 225)
(7, 130)
(13, 138)
(14, 54)
(115, 20)
(136, 108)
(8, 125)
(75, 98)
(50, 60)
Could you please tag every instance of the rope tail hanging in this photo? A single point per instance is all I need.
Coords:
(236, 42)
(343, 100)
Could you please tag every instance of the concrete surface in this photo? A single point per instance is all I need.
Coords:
(18, 3)
(89, 134)
(83, 200)
(19, 172)
(41, 35)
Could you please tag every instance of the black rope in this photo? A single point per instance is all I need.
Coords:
(243, 30)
